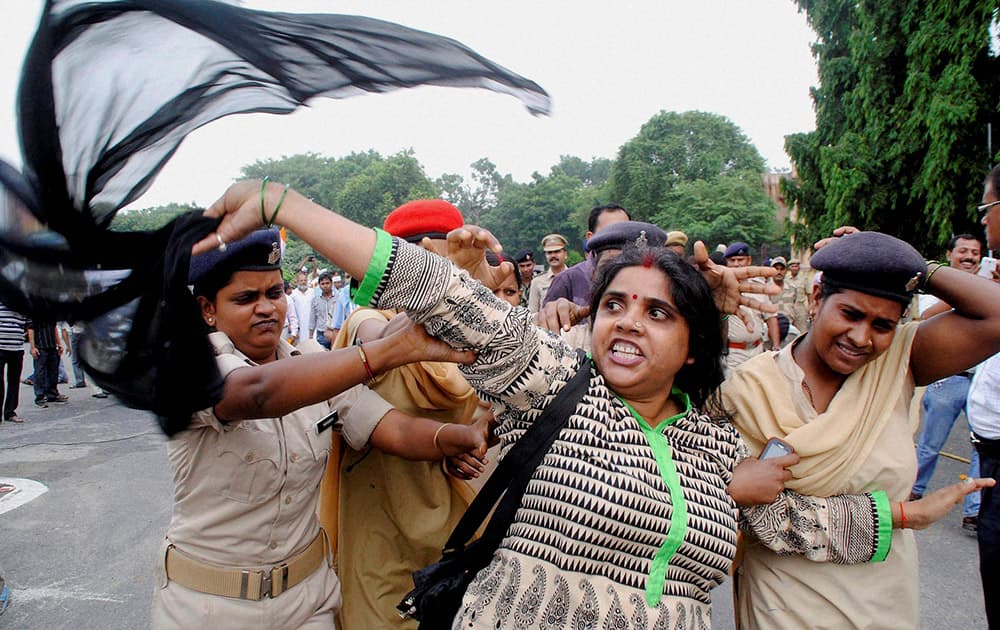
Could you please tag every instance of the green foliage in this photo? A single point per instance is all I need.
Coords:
(520, 214)
(906, 92)
(723, 209)
(676, 147)
(149, 218)
(526, 212)
(477, 199)
(364, 187)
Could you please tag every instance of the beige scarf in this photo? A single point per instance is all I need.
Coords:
(432, 389)
(834, 444)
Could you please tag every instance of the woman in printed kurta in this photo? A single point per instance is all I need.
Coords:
(627, 521)
(840, 396)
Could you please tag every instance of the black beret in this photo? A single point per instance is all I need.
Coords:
(618, 235)
(737, 249)
(260, 251)
(872, 263)
(524, 256)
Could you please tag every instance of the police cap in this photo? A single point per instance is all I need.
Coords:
(737, 249)
(624, 233)
(872, 263)
(259, 251)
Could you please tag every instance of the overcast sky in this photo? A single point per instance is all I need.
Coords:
(609, 67)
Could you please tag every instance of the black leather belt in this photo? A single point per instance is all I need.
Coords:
(985, 446)
(966, 374)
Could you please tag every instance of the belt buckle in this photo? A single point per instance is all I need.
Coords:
(265, 585)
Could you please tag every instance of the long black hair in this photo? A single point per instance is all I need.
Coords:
(692, 297)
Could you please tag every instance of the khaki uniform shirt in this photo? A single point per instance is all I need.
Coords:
(539, 287)
(246, 492)
(799, 308)
(739, 333)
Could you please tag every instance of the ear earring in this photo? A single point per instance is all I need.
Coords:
(211, 321)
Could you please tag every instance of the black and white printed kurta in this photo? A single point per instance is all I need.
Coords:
(580, 551)
(597, 509)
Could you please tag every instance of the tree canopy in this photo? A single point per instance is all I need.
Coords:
(141, 219)
(707, 178)
(906, 92)
(697, 172)
(363, 187)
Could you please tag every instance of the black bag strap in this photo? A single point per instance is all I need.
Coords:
(516, 469)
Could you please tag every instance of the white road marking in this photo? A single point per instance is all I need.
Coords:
(25, 490)
(59, 591)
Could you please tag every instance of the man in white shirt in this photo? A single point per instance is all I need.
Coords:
(983, 409)
(302, 299)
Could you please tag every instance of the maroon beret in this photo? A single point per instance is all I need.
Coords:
(414, 220)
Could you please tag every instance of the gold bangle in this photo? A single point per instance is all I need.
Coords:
(436, 434)
(926, 284)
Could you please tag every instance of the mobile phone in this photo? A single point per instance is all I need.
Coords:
(775, 448)
(987, 265)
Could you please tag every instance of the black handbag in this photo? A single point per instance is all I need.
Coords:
(438, 588)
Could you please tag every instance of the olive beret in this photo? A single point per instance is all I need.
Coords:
(872, 263)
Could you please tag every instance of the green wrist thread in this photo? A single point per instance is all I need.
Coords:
(281, 200)
(263, 187)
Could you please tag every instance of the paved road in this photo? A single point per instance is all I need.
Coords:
(81, 554)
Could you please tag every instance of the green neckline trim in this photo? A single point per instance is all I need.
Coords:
(883, 515)
(362, 296)
(666, 422)
(678, 516)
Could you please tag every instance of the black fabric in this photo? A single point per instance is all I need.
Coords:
(108, 92)
(438, 588)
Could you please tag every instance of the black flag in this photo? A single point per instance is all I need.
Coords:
(108, 92)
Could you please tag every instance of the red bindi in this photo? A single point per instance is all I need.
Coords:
(635, 297)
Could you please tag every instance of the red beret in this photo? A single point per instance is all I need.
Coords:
(414, 220)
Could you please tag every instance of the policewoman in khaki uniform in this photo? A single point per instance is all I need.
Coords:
(244, 548)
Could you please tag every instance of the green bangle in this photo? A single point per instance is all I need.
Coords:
(263, 187)
(281, 200)
(725, 316)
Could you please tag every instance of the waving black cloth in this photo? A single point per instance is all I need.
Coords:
(108, 92)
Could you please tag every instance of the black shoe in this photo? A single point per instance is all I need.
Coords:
(40, 402)
(78, 386)
(100, 395)
(970, 524)
(61, 398)
(28, 381)
(915, 497)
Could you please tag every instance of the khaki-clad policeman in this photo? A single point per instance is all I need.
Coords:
(802, 288)
(749, 333)
(244, 548)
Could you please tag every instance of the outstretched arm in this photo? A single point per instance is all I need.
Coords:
(341, 241)
(279, 387)
(963, 337)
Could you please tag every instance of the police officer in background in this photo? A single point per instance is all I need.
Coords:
(525, 260)
(748, 334)
(554, 246)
